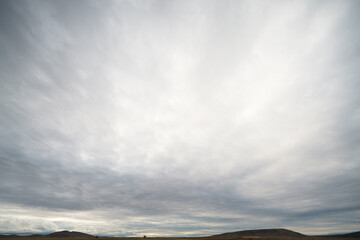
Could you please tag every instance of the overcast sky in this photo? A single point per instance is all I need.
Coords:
(179, 117)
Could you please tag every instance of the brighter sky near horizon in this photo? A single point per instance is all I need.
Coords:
(179, 117)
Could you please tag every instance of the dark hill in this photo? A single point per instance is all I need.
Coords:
(346, 235)
(62, 234)
(279, 232)
(68, 234)
(352, 235)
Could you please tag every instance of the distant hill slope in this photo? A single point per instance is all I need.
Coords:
(346, 235)
(278, 232)
(62, 234)
(68, 234)
(9, 236)
(352, 235)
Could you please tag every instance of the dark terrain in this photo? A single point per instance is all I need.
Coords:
(261, 233)
(66, 234)
(268, 234)
(61, 234)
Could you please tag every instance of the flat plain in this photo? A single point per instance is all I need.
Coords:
(182, 238)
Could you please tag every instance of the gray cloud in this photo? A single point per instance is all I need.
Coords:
(179, 118)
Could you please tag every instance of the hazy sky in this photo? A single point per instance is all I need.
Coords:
(179, 117)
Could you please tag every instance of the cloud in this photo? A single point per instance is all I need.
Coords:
(179, 118)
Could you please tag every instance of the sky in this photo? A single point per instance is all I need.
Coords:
(179, 118)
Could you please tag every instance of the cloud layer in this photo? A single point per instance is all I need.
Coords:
(179, 117)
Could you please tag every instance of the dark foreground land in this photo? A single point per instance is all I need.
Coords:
(265, 234)
(186, 238)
